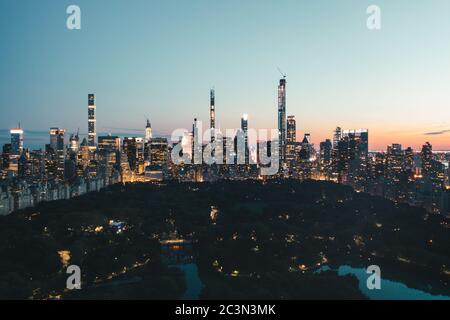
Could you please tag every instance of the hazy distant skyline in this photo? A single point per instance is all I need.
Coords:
(159, 59)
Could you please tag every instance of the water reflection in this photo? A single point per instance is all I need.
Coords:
(390, 290)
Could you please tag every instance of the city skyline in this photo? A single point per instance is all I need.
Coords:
(262, 151)
(164, 71)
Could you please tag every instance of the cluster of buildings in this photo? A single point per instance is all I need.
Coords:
(64, 170)
(60, 171)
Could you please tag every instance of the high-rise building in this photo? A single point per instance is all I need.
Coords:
(395, 162)
(57, 139)
(244, 128)
(148, 131)
(159, 152)
(16, 141)
(197, 154)
(91, 121)
(74, 143)
(291, 129)
(291, 141)
(109, 155)
(6, 158)
(325, 156)
(282, 120)
(212, 114)
(140, 149)
(427, 157)
(110, 143)
(337, 135)
(159, 158)
(353, 149)
(55, 153)
(129, 148)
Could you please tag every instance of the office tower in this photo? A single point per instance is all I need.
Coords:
(379, 166)
(74, 143)
(427, 157)
(263, 150)
(129, 148)
(291, 129)
(225, 141)
(159, 159)
(197, 154)
(16, 141)
(37, 166)
(55, 153)
(325, 156)
(282, 120)
(140, 149)
(212, 114)
(353, 149)
(91, 121)
(337, 135)
(187, 144)
(291, 140)
(24, 166)
(433, 172)
(159, 152)
(148, 131)
(244, 128)
(83, 158)
(109, 155)
(57, 139)
(109, 143)
(306, 148)
(358, 141)
(395, 162)
(6, 156)
(409, 159)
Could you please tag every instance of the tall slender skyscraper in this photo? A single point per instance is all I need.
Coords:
(91, 121)
(244, 128)
(282, 119)
(212, 113)
(197, 154)
(16, 141)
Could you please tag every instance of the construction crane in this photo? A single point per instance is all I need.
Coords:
(281, 72)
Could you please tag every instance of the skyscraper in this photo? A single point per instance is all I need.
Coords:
(353, 149)
(291, 139)
(197, 154)
(159, 154)
(291, 128)
(282, 119)
(57, 139)
(74, 143)
(16, 141)
(337, 135)
(91, 121)
(325, 154)
(129, 148)
(55, 154)
(148, 131)
(244, 128)
(426, 157)
(212, 114)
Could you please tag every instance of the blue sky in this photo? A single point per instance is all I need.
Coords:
(160, 58)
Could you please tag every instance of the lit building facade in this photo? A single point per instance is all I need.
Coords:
(92, 133)
(282, 120)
